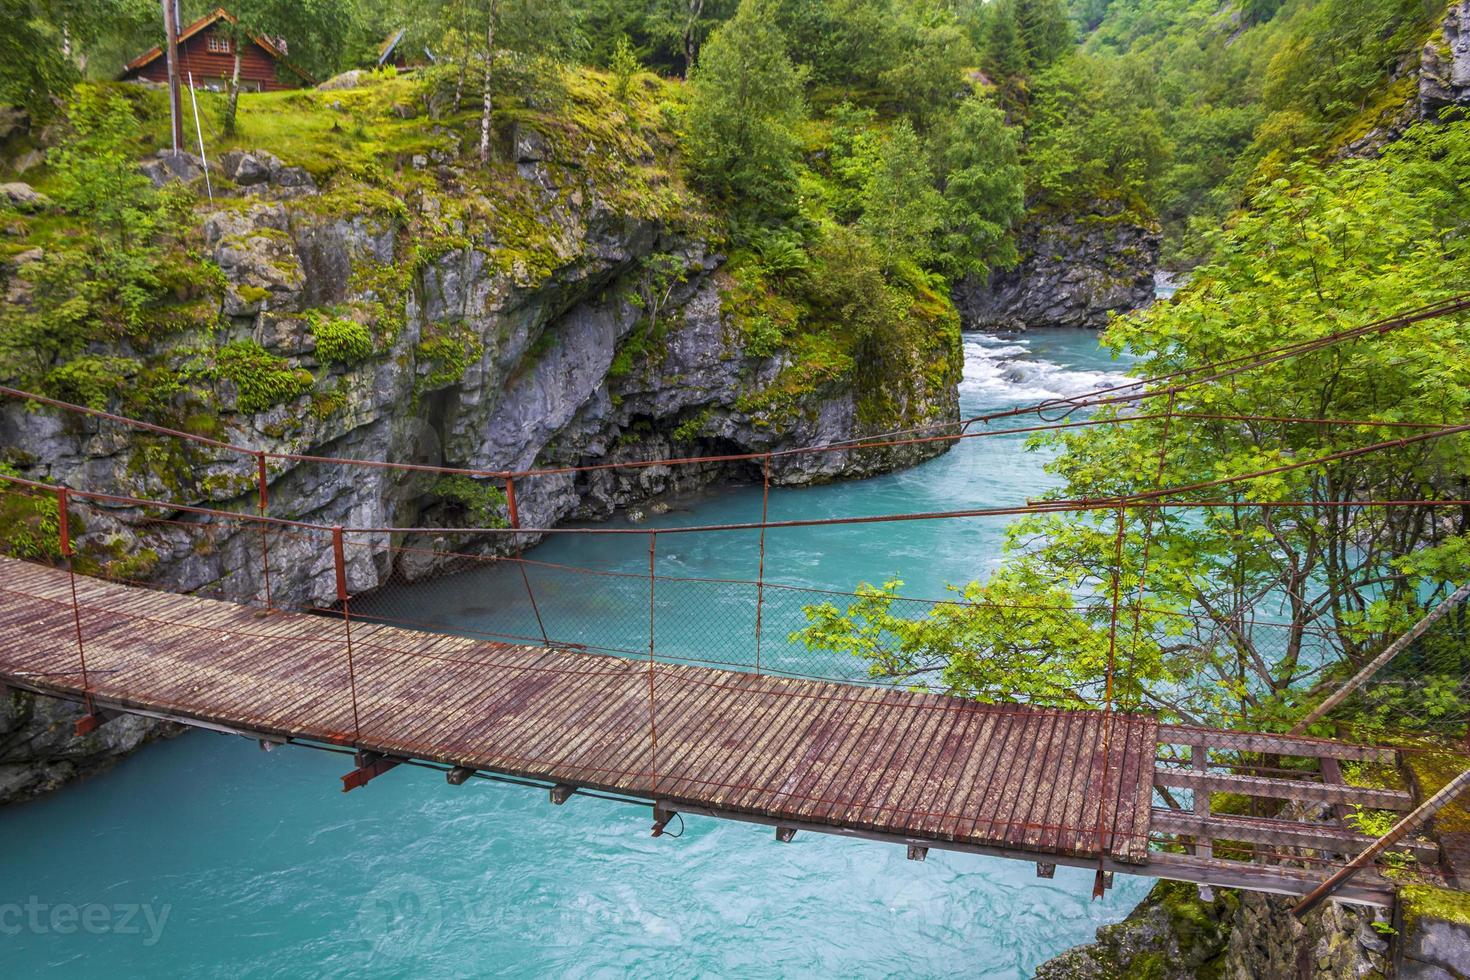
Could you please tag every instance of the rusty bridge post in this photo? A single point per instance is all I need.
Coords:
(263, 495)
(760, 575)
(514, 518)
(1100, 882)
(652, 716)
(63, 532)
(339, 561)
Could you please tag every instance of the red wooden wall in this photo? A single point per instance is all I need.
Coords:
(212, 68)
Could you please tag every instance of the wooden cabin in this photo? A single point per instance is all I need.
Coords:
(208, 53)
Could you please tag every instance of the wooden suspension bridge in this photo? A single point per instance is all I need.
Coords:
(1106, 789)
(921, 770)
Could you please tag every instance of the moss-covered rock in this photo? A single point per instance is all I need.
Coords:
(1170, 935)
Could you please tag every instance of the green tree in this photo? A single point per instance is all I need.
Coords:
(900, 207)
(1044, 30)
(624, 66)
(745, 102)
(1095, 129)
(1239, 608)
(984, 190)
(98, 285)
(932, 55)
(1004, 55)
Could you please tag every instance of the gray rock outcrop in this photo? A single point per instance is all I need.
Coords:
(39, 752)
(1076, 268)
(1173, 934)
(23, 196)
(1444, 65)
(166, 166)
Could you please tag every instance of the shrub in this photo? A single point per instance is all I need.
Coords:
(483, 503)
(340, 340)
(261, 378)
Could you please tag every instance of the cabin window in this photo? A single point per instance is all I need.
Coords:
(220, 44)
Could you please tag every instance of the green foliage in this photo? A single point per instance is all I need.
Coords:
(261, 378)
(849, 285)
(481, 502)
(624, 66)
(29, 522)
(90, 380)
(745, 101)
(929, 67)
(1322, 585)
(993, 643)
(101, 284)
(1095, 131)
(900, 206)
(340, 340)
(33, 69)
(782, 255)
(984, 190)
(448, 350)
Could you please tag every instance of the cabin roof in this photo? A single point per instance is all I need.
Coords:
(208, 20)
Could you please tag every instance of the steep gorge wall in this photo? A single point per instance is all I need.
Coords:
(1076, 268)
(506, 336)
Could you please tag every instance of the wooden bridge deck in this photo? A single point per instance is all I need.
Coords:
(927, 767)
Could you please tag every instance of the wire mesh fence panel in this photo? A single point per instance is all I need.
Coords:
(1421, 693)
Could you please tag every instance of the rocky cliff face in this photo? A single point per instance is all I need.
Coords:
(545, 316)
(1076, 267)
(1444, 65)
(1173, 934)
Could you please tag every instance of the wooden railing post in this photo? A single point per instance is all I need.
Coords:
(339, 561)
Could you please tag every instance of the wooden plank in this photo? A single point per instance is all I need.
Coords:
(914, 794)
(1022, 824)
(1285, 833)
(1284, 789)
(912, 721)
(1075, 730)
(715, 741)
(868, 797)
(1269, 744)
(999, 763)
(1200, 802)
(958, 745)
(834, 784)
(1135, 792)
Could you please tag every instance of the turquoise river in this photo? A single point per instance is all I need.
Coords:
(205, 857)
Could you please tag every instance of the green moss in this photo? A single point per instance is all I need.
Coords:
(1437, 903)
(1432, 769)
(325, 404)
(448, 350)
(260, 378)
(338, 339)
